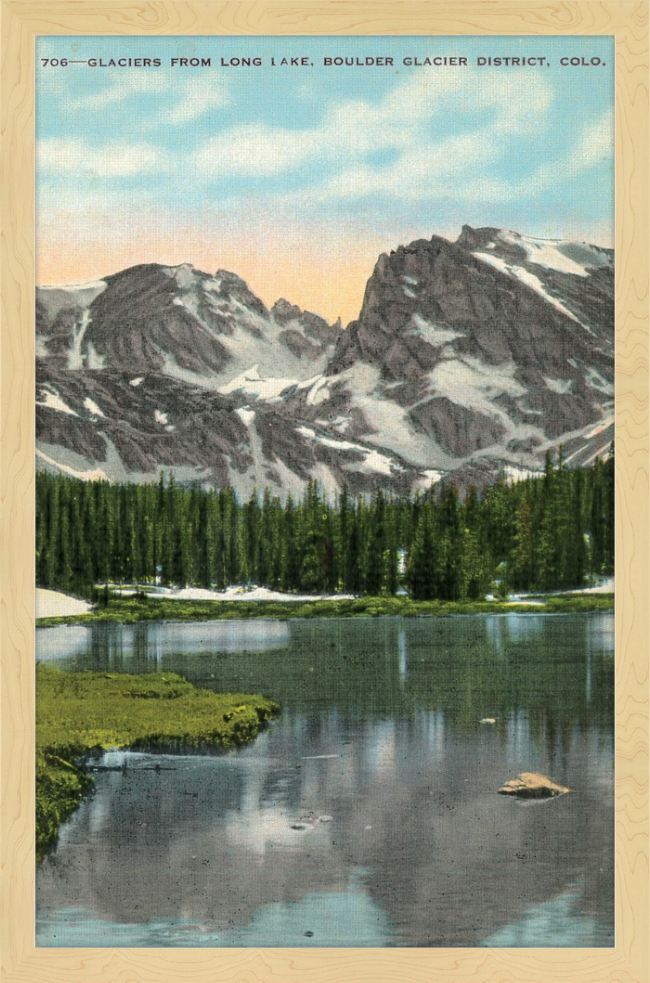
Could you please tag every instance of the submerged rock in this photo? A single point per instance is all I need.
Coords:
(530, 785)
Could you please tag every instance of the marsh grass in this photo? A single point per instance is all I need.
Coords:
(81, 713)
(129, 610)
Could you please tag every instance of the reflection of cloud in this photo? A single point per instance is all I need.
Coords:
(601, 633)
(429, 843)
(255, 635)
(506, 629)
(380, 750)
(558, 922)
(255, 832)
(166, 638)
(52, 643)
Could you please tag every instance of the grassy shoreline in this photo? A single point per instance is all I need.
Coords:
(79, 714)
(129, 610)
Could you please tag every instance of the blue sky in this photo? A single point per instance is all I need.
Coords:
(297, 177)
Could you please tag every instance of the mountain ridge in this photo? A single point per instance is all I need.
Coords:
(468, 359)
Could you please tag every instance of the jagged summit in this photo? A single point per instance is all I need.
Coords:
(467, 358)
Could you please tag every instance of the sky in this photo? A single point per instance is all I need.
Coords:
(297, 176)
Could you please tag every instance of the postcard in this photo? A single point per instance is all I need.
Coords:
(325, 491)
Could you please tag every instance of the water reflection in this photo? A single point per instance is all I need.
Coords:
(557, 923)
(147, 644)
(367, 814)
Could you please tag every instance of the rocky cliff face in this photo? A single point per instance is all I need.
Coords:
(179, 322)
(467, 358)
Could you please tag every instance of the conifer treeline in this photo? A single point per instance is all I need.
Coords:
(541, 533)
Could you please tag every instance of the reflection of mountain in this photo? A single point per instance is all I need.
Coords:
(466, 357)
(414, 812)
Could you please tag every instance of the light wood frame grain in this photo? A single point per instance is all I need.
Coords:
(627, 21)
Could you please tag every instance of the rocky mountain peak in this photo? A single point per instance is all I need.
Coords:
(284, 311)
(232, 286)
(301, 325)
(467, 357)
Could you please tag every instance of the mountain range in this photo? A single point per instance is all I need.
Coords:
(468, 359)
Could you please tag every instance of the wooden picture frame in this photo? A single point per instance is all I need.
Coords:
(627, 22)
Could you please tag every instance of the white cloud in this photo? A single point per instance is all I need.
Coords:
(412, 121)
(593, 145)
(256, 149)
(198, 97)
(76, 157)
(121, 87)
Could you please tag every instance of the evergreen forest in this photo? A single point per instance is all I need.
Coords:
(544, 533)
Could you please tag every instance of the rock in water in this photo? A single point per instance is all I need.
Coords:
(530, 785)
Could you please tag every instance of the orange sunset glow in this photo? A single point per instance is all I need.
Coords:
(323, 271)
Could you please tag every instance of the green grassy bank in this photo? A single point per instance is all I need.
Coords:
(79, 713)
(132, 609)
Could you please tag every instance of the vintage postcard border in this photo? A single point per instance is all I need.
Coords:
(628, 23)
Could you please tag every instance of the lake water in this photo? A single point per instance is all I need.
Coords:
(368, 813)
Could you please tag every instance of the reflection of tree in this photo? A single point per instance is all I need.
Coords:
(553, 668)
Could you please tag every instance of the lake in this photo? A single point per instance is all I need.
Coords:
(367, 814)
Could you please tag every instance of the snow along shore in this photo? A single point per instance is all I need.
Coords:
(234, 594)
(54, 604)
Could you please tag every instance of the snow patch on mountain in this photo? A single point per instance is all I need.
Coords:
(433, 334)
(92, 406)
(93, 474)
(373, 462)
(560, 386)
(473, 384)
(245, 415)
(184, 275)
(94, 361)
(530, 280)
(75, 358)
(54, 402)
(377, 463)
(56, 299)
(595, 380)
(518, 474)
(389, 426)
(577, 258)
(253, 384)
(318, 392)
(597, 430)
(431, 477)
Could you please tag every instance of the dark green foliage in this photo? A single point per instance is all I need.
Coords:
(547, 533)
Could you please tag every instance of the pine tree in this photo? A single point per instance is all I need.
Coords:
(421, 566)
